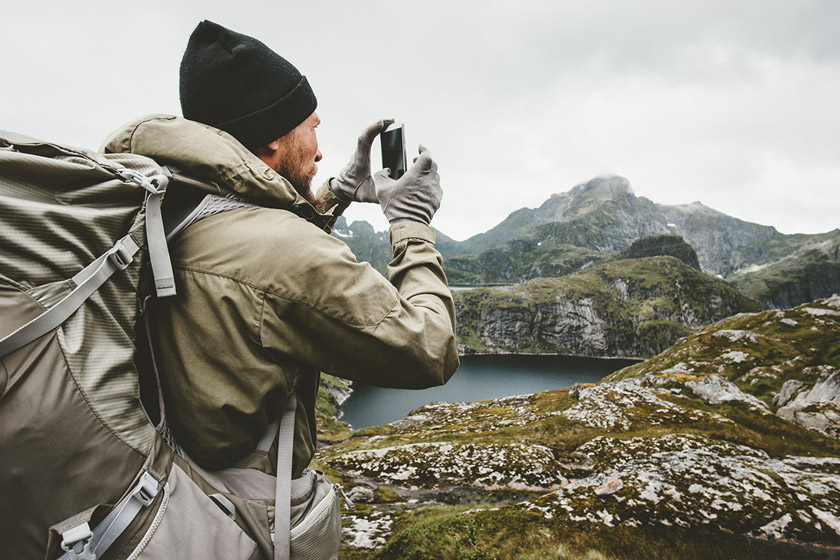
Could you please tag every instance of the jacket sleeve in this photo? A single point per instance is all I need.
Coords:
(331, 207)
(352, 322)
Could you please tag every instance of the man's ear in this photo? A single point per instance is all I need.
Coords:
(267, 151)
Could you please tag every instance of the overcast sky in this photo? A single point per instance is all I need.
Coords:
(732, 103)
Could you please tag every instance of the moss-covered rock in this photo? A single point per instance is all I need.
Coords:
(663, 245)
(686, 455)
(628, 308)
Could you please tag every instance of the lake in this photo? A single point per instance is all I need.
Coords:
(479, 378)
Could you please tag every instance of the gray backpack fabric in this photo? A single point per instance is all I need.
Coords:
(84, 472)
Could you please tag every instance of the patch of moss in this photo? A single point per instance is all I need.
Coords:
(451, 533)
(330, 428)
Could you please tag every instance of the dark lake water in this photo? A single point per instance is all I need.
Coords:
(479, 378)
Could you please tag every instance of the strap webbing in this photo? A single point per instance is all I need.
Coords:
(156, 243)
(283, 493)
(94, 543)
(116, 258)
(87, 282)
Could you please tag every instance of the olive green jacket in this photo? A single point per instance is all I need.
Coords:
(267, 299)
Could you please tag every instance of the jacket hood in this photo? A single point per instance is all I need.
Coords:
(206, 153)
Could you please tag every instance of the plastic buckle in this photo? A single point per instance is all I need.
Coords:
(72, 537)
(120, 256)
(146, 490)
(155, 184)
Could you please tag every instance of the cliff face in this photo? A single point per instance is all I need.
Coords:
(726, 445)
(718, 239)
(782, 279)
(628, 308)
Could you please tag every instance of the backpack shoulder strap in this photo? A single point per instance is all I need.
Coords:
(283, 496)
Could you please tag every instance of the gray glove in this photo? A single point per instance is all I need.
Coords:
(415, 196)
(354, 182)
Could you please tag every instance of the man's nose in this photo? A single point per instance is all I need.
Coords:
(319, 156)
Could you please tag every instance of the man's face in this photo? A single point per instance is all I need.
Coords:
(298, 156)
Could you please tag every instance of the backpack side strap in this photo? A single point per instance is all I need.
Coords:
(99, 271)
(81, 543)
(87, 282)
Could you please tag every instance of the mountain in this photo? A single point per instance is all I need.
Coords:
(627, 308)
(597, 221)
(604, 215)
(724, 244)
(784, 276)
(367, 244)
(669, 245)
(725, 446)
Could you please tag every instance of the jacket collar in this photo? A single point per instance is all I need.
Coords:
(209, 154)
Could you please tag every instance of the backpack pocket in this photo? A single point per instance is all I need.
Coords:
(316, 517)
(189, 524)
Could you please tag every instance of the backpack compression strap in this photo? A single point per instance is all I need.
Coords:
(97, 273)
(80, 542)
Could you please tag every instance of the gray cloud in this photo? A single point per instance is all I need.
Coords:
(730, 103)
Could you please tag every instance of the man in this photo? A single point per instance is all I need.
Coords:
(266, 298)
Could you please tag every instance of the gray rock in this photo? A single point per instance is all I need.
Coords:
(819, 408)
(790, 389)
(715, 390)
(827, 389)
(361, 494)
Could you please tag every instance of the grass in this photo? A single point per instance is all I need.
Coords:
(465, 533)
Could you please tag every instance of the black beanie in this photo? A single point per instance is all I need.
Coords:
(236, 83)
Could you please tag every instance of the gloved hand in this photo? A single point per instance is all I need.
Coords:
(415, 196)
(354, 182)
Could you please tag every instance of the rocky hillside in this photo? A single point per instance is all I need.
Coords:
(666, 245)
(626, 308)
(724, 244)
(788, 273)
(725, 446)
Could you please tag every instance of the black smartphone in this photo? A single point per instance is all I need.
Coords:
(393, 150)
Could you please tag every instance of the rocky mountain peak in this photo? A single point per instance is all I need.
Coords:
(605, 188)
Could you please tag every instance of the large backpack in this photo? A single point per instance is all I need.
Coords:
(85, 470)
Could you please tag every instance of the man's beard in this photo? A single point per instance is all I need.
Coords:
(298, 170)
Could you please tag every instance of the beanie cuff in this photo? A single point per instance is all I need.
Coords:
(278, 119)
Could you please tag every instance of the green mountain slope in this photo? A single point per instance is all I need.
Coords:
(792, 270)
(630, 308)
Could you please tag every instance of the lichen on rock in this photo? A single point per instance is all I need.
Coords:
(691, 481)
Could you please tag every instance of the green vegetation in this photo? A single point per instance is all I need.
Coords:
(631, 307)
(691, 477)
(451, 533)
(327, 410)
(663, 245)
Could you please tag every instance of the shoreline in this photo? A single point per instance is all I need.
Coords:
(555, 355)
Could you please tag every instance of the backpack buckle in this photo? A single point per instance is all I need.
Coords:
(72, 537)
(120, 255)
(146, 489)
(155, 184)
